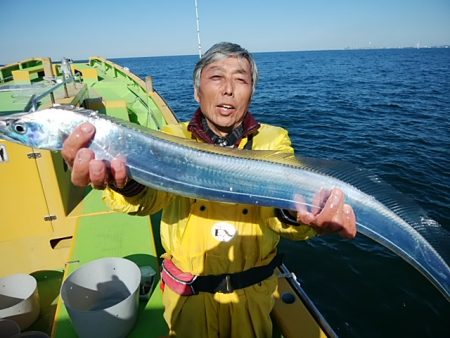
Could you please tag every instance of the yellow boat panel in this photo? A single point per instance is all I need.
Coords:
(18, 219)
(294, 320)
(33, 209)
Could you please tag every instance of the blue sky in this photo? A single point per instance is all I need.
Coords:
(81, 28)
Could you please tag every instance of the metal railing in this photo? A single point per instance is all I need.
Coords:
(35, 99)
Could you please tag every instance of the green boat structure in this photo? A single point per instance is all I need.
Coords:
(50, 228)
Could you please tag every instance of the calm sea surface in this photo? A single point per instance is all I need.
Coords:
(386, 110)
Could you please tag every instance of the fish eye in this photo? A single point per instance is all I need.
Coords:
(20, 128)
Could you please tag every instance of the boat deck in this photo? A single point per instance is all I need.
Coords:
(65, 226)
(132, 240)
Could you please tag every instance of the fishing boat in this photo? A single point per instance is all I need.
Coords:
(50, 228)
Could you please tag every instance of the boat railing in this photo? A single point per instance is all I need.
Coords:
(5, 78)
(35, 99)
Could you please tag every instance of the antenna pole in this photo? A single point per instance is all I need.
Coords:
(198, 30)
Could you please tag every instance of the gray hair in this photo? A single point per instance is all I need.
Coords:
(221, 51)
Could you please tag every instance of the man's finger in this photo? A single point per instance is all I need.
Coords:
(349, 227)
(331, 210)
(79, 138)
(80, 170)
(300, 203)
(119, 172)
(303, 215)
(319, 201)
(98, 174)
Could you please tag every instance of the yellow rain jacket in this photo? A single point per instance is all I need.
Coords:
(211, 238)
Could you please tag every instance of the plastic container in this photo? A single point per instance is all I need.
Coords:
(102, 297)
(19, 299)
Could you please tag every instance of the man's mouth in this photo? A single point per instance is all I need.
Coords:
(226, 106)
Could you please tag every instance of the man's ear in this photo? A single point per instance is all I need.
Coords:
(196, 95)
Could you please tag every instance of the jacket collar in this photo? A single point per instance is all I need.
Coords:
(196, 127)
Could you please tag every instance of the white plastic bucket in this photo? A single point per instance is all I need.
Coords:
(102, 297)
(19, 299)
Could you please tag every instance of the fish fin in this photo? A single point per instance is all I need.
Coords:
(262, 155)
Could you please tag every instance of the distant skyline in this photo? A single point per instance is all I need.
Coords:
(133, 28)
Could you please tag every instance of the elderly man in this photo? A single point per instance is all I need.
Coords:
(228, 251)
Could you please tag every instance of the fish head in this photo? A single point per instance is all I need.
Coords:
(44, 129)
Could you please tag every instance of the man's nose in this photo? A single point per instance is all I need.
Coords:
(228, 88)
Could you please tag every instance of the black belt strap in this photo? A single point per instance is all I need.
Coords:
(227, 283)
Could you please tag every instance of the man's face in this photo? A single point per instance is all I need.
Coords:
(225, 92)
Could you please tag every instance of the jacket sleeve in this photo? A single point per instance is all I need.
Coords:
(297, 232)
(147, 202)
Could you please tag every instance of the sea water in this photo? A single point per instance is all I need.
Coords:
(387, 110)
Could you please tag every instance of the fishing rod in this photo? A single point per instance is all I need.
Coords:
(198, 29)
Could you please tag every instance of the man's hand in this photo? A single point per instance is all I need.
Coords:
(85, 168)
(329, 214)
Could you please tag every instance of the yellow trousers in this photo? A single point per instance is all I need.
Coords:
(244, 313)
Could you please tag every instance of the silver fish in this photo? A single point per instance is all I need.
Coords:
(265, 178)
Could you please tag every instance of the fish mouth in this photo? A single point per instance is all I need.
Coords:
(4, 130)
(3, 124)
